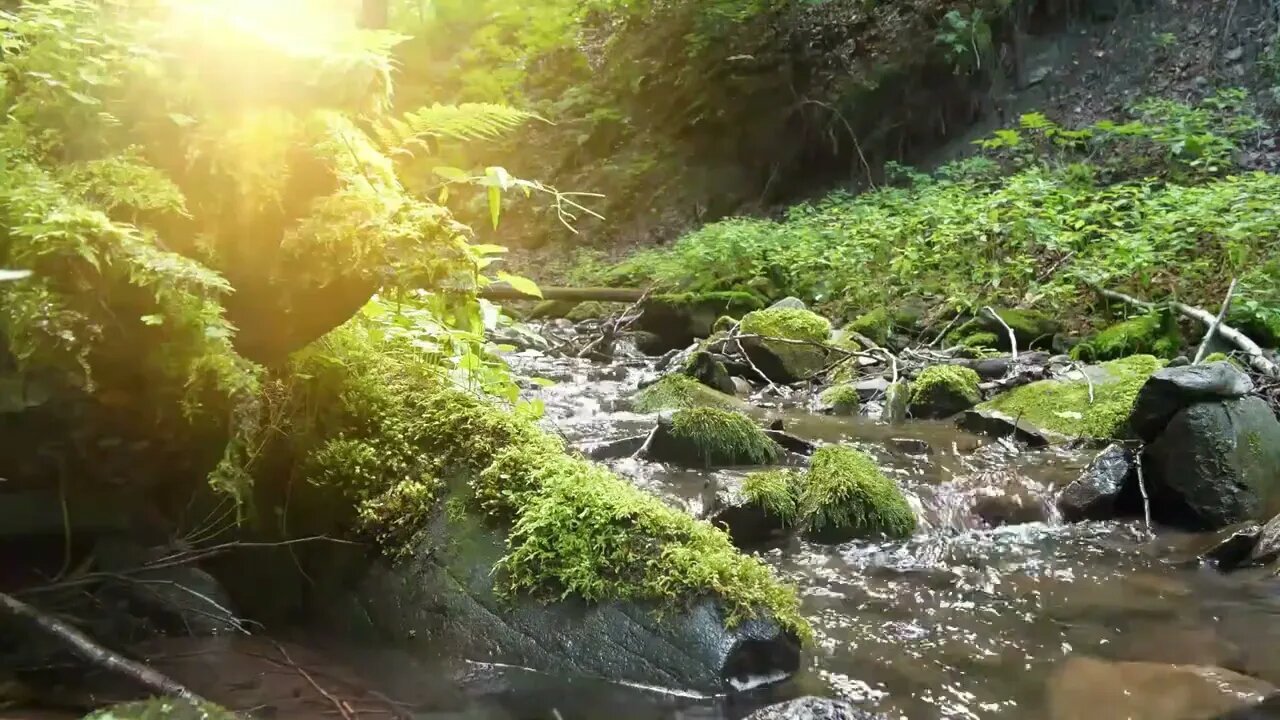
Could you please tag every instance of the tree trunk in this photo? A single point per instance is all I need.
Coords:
(506, 292)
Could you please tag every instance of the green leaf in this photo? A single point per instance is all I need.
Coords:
(152, 319)
(521, 284)
(495, 205)
(451, 174)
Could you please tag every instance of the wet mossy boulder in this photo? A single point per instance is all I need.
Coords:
(942, 391)
(680, 319)
(762, 508)
(786, 362)
(162, 709)
(1061, 409)
(679, 391)
(708, 370)
(841, 399)
(845, 496)
(1154, 333)
(709, 437)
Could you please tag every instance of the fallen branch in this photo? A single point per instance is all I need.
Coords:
(1142, 487)
(91, 652)
(1013, 339)
(342, 707)
(1256, 357)
(503, 291)
(1217, 322)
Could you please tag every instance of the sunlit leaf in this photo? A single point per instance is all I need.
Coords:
(521, 285)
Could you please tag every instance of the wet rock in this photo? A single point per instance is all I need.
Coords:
(710, 371)
(677, 320)
(1267, 547)
(707, 437)
(839, 400)
(614, 449)
(1228, 548)
(787, 346)
(910, 446)
(182, 599)
(1085, 688)
(846, 496)
(897, 398)
(812, 708)
(989, 421)
(791, 443)
(1014, 505)
(1267, 709)
(1216, 463)
(520, 338)
(445, 596)
(1174, 388)
(648, 343)
(741, 387)
(942, 391)
(763, 507)
(1095, 494)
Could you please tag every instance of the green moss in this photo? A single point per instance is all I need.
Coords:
(723, 324)
(845, 372)
(161, 709)
(1215, 357)
(552, 309)
(846, 495)
(724, 438)
(573, 528)
(788, 323)
(980, 340)
(844, 398)
(590, 310)
(875, 325)
(844, 340)
(1030, 326)
(729, 301)
(1063, 406)
(955, 379)
(1150, 334)
(679, 391)
(776, 491)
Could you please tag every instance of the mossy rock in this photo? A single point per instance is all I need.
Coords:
(786, 362)
(708, 370)
(840, 400)
(845, 496)
(875, 325)
(592, 310)
(843, 339)
(1264, 330)
(709, 437)
(761, 509)
(981, 340)
(679, 319)
(723, 324)
(162, 709)
(1061, 409)
(943, 390)
(679, 391)
(551, 309)
(1034, 330)
(897, 401)
(1153, 333)
(777, 492)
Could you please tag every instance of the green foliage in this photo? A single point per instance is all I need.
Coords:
(161, 709)
(678, 391)
(1028, 237)
(846, 494)
(1154, 333)
(1065, 406)
(777, 492)
(952, 379)
(721, 437)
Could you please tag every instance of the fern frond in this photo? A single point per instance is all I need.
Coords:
(468, 121)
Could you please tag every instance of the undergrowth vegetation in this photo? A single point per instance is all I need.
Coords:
(1152, 206)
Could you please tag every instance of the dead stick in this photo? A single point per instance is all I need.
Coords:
(84, 647)
(1013, 339)
(342, 707)
(1213, 327)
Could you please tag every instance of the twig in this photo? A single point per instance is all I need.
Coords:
(343, 709)
(1087, 380)
(648, 442)
(1256, 357)
(1142, 487)
(86, 649)
(1213, 326)
(1013, 339)
(943, 334)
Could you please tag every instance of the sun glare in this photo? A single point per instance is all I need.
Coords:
(301, 26)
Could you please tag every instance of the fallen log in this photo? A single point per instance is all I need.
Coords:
(1257, 358)
(502, 291)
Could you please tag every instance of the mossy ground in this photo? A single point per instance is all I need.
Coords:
(161, 709)
(945, 379)
(777, 492)
(845, 494)
(677, 392)
(843, 398)
(724, 438)
(1063, 407)
(574, 528)
(1149, 334)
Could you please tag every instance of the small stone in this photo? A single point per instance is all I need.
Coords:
(910, 446)
(1093, 495)
(741, 387)
(790, 303)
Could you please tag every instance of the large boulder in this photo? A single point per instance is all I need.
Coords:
(846, 496)
(942, 391)
(786, 342)
(1093, 403)
(1216, 463)
(445, 595)
(1172, 389)
(1146, 691)
(1096, 494)
(679, 319)
(707, 437)
(812, 708)
(679, 391)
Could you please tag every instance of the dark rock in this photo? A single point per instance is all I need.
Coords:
(1216, 463)
(1229, 548)
(1174, 388)
(791, 443)
(180, 599)
(520, 338)
(679, 320)
(710, 371)
(1009, 505)
(1267, 709)
(1267, 547)
(614, 449)
(445, 596)
(650, 344)
(812, 708)
(1095, 494)
(910, 446)
(988, 421)
(747, 522)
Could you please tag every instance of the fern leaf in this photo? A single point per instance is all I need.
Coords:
(466, 122)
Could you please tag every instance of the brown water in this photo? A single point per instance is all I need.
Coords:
(963, 620)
